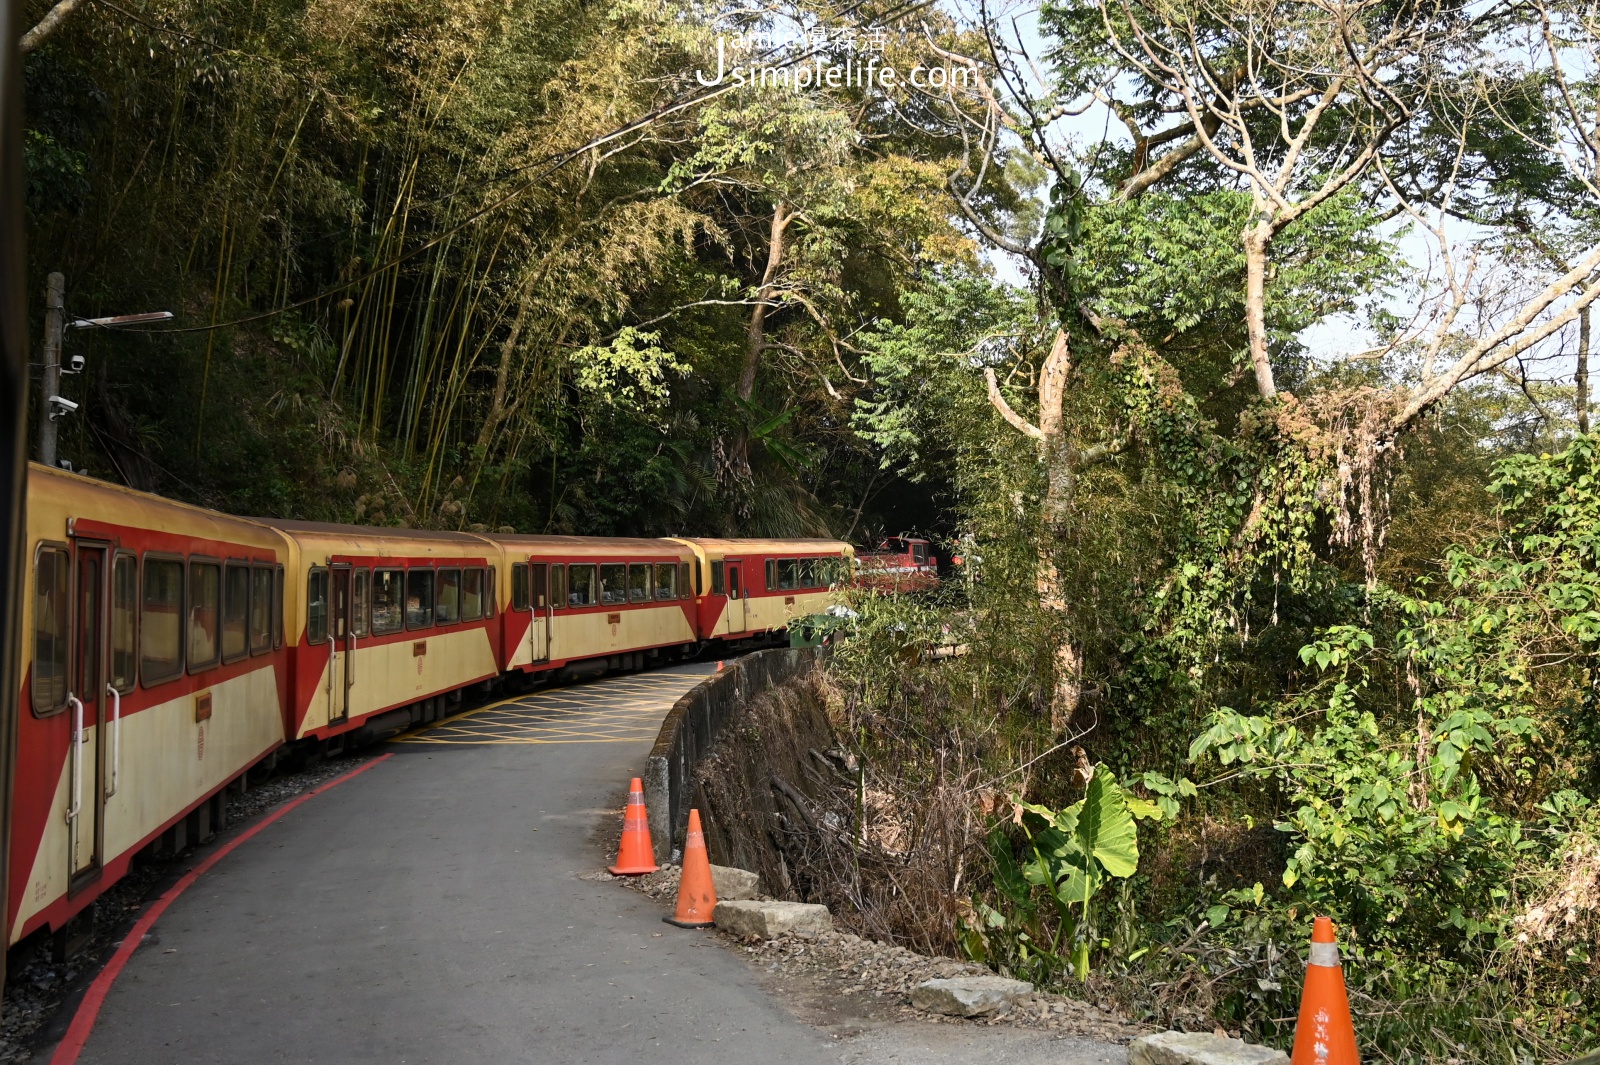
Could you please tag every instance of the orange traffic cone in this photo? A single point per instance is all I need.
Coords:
(719, 665)
(697, 896)
(1324, 1035)
(635, 855)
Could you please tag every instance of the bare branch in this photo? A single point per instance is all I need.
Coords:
(48, 25)
(1018, 422)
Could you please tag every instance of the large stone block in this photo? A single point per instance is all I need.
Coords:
(768, 920)
(1200, 1048)
(732, 884)
(968, 996)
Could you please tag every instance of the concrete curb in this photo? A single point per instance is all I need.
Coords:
(692, 726)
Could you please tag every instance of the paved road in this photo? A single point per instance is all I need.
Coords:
(435, 909)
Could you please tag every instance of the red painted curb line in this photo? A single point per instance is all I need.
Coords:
(71, 1044)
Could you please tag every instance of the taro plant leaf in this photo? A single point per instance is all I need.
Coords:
(1105, 826)
(1073, 853)
(1080, 880)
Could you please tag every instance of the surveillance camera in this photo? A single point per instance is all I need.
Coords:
(74, 364)
(60, 406)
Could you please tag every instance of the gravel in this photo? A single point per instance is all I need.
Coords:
(37, 987)
(882, 975)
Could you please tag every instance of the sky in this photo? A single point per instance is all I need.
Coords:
(1328, 341)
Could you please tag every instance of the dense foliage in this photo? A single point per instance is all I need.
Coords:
(473, 263)
(1274, 537)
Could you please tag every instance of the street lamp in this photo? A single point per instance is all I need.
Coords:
(52, 405)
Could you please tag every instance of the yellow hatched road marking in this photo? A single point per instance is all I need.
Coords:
(621, 710)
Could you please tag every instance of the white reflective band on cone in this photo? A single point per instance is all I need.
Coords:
(1325, 954)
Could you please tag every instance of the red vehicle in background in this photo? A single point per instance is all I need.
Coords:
(898, 564)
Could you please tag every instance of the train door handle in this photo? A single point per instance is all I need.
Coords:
(116, 737)
(77, 757)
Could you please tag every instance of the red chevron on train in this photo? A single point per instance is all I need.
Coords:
(168, 649)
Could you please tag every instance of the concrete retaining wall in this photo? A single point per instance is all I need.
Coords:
(692, 726)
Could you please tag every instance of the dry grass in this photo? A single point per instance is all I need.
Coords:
(888, 856)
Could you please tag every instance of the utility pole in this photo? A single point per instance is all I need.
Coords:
(50, 384)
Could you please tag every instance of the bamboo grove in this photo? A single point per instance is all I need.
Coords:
(1240, 349)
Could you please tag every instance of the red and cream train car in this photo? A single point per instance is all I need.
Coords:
(169, 649)
(153, 670)
(388, 625)
(750, 588)
(584, 605)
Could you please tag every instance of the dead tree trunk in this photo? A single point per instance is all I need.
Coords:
(1256, 240)
(1062, 461)
(1580, 379)
(756, 331)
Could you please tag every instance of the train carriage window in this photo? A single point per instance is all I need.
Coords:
(666, 581)
(235, 612)
(788, 573)
(488, 593)
(471, 594)
(161, 621)
(277, 606)
(205, 608)
(639, 582)
(538, 577)
(260, 610)
(683, 581)
(124, 619)
(919, 554)
(716, 579)
(519, 586)
(419, 598)
(51, 580)
(772, 574)
(387, 596)
(613, 583)
(558, 585)
(582, 587)
(447, 610)
(809, 569)
(361, 624)
(317, 607)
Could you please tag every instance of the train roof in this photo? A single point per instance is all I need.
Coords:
(139, 509)
(585, 545)
(318, 537)
(752, 543)
(329, 528)
(712, 549)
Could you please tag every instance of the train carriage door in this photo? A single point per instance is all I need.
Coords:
(87, 705)
(736, 596)
(342, 643)
(539, 604)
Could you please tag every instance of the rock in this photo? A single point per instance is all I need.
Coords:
(768, 920)
(733, 884)
(1200, 1048)
(968, 996)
